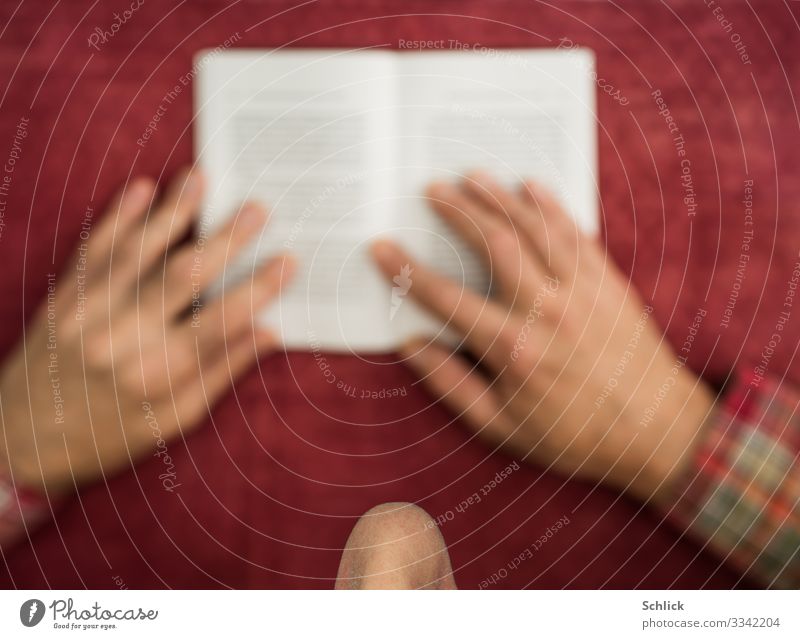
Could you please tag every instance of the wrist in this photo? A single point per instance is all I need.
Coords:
(675, 438)
(19, 459)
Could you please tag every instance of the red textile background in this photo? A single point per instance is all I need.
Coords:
(271, 486)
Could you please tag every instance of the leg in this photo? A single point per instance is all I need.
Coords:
(395, 546)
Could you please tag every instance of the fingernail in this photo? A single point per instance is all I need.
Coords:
(538, 190)
(265, 341)
(412, 348)
(385, 251)
(285, 264)
(194, 181)
(441, 190)
(481, 177)
(251, 217)
(417, 357)
(140, 191)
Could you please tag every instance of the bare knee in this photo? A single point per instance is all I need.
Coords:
(395, 545)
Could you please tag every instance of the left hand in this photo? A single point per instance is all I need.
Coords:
(564, 327)
(121, 357)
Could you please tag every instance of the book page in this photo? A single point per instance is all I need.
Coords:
(309, 133)
(514, 113)
(341, 144)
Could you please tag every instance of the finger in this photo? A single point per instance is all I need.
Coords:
(189, 272)
(125, 210)
(95, 244)
(217, 376)
(132, 257)
(172, 217)
(91, 257)
(520, 277)
(503, 252)
(468, 218)
(186, 354)
(478, 319)
(523, 214)
(461, 388)
(239, 356)
(558, 235)
(235, 310)
(493, 195)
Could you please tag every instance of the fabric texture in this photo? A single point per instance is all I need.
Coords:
(742, 496)
(274, 481)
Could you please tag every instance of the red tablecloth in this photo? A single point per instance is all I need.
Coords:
(271, 486)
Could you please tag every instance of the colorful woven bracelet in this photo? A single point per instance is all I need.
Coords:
(20, 510)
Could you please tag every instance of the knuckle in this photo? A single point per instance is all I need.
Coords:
(97, 352)
(182, 267)
(182, 358)
(571, 324)
(518, 342)
(152, 372)
(129, 379)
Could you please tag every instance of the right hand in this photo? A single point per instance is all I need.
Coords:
(574, 377)
(98, 383)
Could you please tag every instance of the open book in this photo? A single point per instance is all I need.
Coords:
(340, 144)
